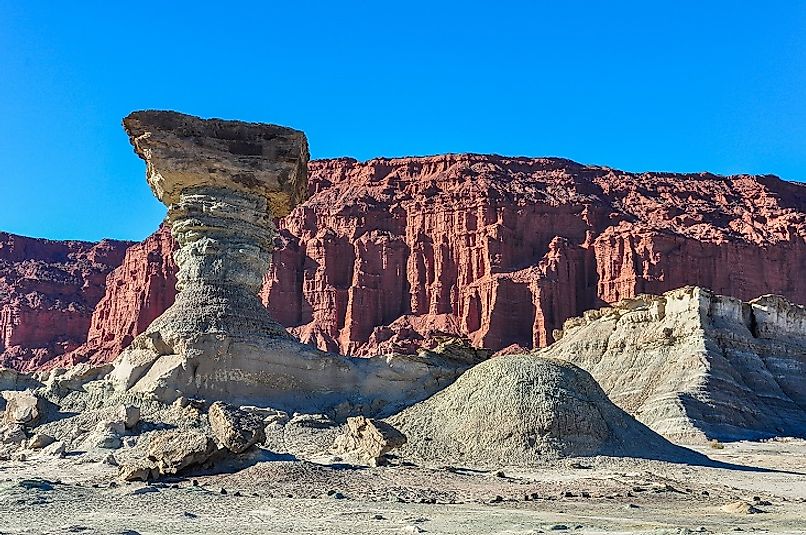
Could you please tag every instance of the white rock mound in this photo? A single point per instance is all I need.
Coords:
(695, 366)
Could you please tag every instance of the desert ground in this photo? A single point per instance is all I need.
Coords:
(583, 495)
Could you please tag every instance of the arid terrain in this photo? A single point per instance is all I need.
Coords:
(585, 495)
(339, 375)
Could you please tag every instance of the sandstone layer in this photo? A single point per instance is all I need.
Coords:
(48, 291)
(223, 181)
(503, 250)
(388, 254)
(694, 366)
(137, 292)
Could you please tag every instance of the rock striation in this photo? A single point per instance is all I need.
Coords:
(48, 291)
(696, 366)
(503, 250)
(137, 292)
(388, 254)
(223, 181)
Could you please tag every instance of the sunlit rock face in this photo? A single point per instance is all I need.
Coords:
(694, 365)
(223, 182)
(48, 290)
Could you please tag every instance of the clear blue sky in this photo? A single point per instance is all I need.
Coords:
(675, 85)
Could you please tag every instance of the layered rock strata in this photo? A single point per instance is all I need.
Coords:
(223, 181)
(48, 290)
(137, 292)
(503, 250)
(695, 366)
(388, 254)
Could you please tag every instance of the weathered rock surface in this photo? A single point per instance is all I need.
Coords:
(519, 409)
(387, 254)
(503, 250)
(367, 441)
(48, 290)
(137, 292)
(693, 365)
(222, 181)
(235, 429)
(22, 407)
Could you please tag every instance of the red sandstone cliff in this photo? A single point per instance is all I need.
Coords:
(138, 291)
(504, 249)
(390, 253)
(48, 290)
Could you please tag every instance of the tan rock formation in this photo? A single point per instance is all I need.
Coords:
(693, 365)
(223, 181)
(366, 441)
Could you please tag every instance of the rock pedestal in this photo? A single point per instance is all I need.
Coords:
(223, 182)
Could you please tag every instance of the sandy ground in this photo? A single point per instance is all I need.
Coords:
(598, 495)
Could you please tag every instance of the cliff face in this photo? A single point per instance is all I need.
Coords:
(694, 366)
(48, 290)
(390, 254)
(137, 292)
(502, 250)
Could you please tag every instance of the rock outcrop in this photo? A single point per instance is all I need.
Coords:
(223, 181)
(520, 410)
(367, 441)
(388, 254)
(503, 250)
(48, 290)
(695, 366)
(137, 292)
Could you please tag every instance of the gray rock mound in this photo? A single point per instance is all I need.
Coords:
(517, 410)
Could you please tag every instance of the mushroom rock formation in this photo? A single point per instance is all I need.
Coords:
(223, 182)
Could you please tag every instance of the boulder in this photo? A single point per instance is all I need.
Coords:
(39, 441)
(367, 440)
(138, 470)
(57, 449)
(235, 429)
(129, 415)
(106, 435)
(22, 407)
(176, 450)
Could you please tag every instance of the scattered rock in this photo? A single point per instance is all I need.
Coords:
(39, 441)
(106, 435)
(57, 449)
(741, 507)
(237, 430)
(138, 470)
(367, 440)
(129, 415)
(175, 450)
(23, 407)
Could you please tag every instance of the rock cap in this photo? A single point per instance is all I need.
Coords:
(182, 151)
